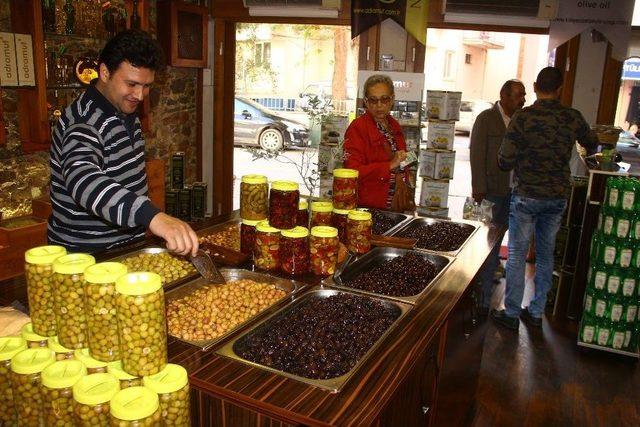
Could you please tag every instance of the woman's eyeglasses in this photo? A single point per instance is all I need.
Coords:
(384, 100)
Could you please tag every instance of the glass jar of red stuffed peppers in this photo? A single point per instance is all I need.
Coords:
(345, 188)
(321, 213)
(359, 232)
(283, 204)
(294, 250)
(339, 221)
(254, 197)
(248, 235)
(266, 253)
(323, 249)
(303, 214)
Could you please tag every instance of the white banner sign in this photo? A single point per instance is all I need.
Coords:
(407, 86)
(610, 17)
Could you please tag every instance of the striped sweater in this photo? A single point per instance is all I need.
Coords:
(98, 179)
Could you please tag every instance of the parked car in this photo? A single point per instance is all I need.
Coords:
(469, 110)
(255, 124)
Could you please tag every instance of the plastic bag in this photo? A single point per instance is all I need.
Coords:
(486, 209)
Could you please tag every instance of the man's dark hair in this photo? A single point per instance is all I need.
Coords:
(134, 46)
(507, 87)
(549, 80)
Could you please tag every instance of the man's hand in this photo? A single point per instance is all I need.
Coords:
(398, 157)
(478, 197)
(179, 236)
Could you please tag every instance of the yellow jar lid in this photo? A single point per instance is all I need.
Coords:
(44, 254)
(104, 272)
(321, 206)
(264, 227)
(134, 403)
(342, 211)
(95, 389)
(254, 179)
(115, 369)
(171, 378)
(140, 283)
(252, 222)
(28, 334)
(63, 374)
(324, 231)
(360, 216)
(345, 173)
(10, 346)
(303, 205)
(32, 360)
(284, 185)
(83, 355)
(296, 232)
(54, 344)
(73, 263)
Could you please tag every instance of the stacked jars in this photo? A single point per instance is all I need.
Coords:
(248, 235)
(93, 365)
(92, 395)
(339, 221)
(62, 352)
(321, 213)
(33, 340)
(172, 387)
(58, 380)
(39, 276)
(68, 279)
(100, 309)
(26, 370)
(135, 407)
(266, 254)
(302, 218)
(254, 197)
(345, 188)
(284, 198)
(359, 232)
(294, 250)
(141, 323)
(324, 247)
(126, 380)
(9, 347)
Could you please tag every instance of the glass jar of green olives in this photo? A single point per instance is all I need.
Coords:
(100, 309)
(135, 407)
(94, 366)
(58, 380)
(92, 395)
(9, 347)
(172, 386)
(126, 380)
(38, 273)
(254, 197)
(62, 352)
(141, 323)
(33, 340)
(26, 370)
(68, 297)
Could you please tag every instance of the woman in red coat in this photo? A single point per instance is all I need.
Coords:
(375, 146)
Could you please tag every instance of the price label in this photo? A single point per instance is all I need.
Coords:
(628, 198)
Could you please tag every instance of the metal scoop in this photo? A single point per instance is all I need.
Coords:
(207, 269)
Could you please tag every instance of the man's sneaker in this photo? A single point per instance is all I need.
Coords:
(501, 318)
(527, 318)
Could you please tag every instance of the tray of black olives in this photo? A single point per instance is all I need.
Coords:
(385, 222)
(401, 274)
(321, 338)
(437, 235)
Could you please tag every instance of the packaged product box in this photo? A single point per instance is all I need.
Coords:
(454, 99)
(440, 134)
(443, 105)
(434, 193)
(437, 164)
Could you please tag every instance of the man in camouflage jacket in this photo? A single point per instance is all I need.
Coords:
(537, 146)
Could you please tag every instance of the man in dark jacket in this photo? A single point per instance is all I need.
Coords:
(488, 181)
(537, 146)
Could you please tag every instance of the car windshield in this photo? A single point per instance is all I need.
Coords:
(255, 105)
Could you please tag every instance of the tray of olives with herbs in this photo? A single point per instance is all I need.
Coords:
(204, 314)
(438, 235)
(321, 338)
(173, 269)
(222, 243)
(401, 274)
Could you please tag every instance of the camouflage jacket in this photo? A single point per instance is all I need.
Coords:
(538, 146)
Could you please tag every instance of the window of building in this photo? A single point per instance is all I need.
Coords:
(447, 71)
(467, 58)
(262, 53)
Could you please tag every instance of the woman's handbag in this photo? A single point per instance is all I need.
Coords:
(403, 198)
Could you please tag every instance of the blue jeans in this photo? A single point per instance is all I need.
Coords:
(542, 216)
(488, 270)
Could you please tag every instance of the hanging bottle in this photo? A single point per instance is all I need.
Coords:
(49, 15)
(135, 18)
(70, 14)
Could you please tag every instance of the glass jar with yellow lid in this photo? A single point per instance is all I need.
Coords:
(172, 387)
(254, 197)
(68, 297)
(9, 347)
(284, 198)
(266, 254)
(58, 380)
(323, 248)
(62, 352)
(248, 235)
(26, 381)
(33, 340)
(359, 225)
(38, 273)
(294, 250)
(321, 213)
(135, 407)
(302, 218)
(126, 380)
(345, 188)
(100, 309)
(92, 395)
(141, 323)
(94, 366)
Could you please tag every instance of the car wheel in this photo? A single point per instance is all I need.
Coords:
(271, 140)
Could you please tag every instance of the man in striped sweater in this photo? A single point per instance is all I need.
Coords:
(98, 179)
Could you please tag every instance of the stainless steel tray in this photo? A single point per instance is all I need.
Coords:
(218, 227)
(373, 258)
(419, 222)
(333, 385)
(400, 217)
(289, 286)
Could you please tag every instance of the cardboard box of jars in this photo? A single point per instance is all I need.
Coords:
(434, 193)
(437, 164)
(443, 105)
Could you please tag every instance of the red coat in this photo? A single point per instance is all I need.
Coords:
(364, 150)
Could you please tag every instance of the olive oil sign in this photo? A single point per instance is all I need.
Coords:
(8, 67)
